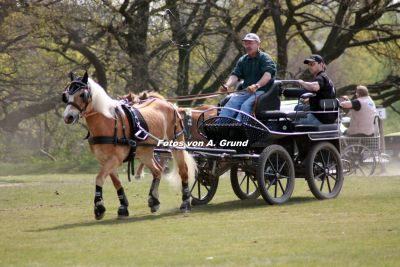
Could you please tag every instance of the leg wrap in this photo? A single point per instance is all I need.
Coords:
(98, 196)
(153, 194)
(185, 206)
(154, 188)
(185, 191)
(122, 197)
(99, 208)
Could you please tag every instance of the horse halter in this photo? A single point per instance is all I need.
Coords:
(74, 87)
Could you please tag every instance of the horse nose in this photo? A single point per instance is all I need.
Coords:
(69, 119)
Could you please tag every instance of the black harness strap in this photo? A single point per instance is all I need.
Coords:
(139, 132)
(111, 140)
(137, 123)
(76, 106)
(188, 121)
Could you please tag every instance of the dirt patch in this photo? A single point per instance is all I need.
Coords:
(392, 168)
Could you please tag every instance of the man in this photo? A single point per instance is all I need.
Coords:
(362, 114)
(323, 88)
(257, 69)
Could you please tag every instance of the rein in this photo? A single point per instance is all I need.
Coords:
(196, 97)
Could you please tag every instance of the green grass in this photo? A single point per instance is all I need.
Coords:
(40, 166)
(47, 220)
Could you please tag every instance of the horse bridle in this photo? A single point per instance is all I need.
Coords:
(85, 97)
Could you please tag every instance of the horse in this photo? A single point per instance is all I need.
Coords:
(193, 113)
(107, 120)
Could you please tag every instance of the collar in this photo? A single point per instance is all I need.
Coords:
(256, 57)
(318, 73)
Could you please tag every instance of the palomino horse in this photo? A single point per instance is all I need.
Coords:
(106, 119)
(194, 114)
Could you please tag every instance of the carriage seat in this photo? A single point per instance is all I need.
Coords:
(328, 105)
(270, 102)
(272, 112)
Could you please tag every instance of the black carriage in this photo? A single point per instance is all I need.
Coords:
(266, 152)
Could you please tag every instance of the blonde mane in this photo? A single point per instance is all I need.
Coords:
(101, 101)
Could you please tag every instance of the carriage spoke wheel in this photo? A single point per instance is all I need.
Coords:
(275, 175)
(324, 171)
(203, 189)
(362, 161)
(244, 184)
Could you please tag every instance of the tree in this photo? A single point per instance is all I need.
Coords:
(126, 45)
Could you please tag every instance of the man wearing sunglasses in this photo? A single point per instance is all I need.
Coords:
(322, 87)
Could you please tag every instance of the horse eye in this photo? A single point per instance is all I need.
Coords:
(82, 95)
(64, 98)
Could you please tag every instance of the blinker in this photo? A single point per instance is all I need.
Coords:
(75, 86)
(64, 97)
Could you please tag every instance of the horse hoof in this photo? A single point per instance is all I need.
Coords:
(185, 207)
(99, 210)
(138, 177)
(123, 212)
(154, 204)
(154, 208)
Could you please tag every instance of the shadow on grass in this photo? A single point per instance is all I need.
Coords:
(210, 208)
(248, 204)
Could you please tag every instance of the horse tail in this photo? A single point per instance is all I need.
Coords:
(191, 165)
(173, 176)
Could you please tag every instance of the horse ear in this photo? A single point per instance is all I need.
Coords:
(72, 76)
(85, 78)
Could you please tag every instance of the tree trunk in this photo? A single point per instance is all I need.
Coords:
(137, 21)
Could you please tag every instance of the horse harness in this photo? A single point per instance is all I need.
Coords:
(139, 133)
(86, 95)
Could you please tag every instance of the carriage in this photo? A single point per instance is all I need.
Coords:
(266, 152)
(361, 155)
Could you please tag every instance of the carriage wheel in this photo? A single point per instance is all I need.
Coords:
(324, 171)
(203, 189)
(362, 160)
(275, 175)
(244, 184)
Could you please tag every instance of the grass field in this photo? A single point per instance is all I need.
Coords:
(47, 220)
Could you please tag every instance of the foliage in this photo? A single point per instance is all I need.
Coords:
(137, 45)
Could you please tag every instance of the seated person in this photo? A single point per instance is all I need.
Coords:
(257, 70)
(323, 88)
(362, 113)
(304, 105)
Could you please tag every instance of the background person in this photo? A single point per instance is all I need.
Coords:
(362, 113)
(323, 88)
(257, 69)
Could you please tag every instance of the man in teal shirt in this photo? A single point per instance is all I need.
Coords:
(257, 69)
